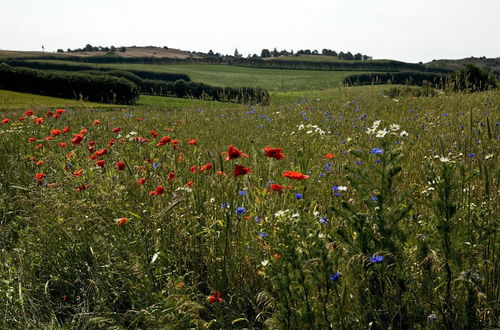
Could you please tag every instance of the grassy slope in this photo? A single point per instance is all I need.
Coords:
(230, 76)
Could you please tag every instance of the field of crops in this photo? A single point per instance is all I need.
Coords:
(339, 209)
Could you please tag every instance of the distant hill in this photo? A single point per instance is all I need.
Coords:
(134, 51)
(488, 64)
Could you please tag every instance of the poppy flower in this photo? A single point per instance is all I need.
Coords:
(77, 138)
(233, 153)
(101, 152)
(29, 113)
(60, 111)
(62, 144)
(163, 141)
(220, 173)
(5, 121)
(139, 119)
(120, 165)
(65, 130)
(241, 170)
(189, 184)
(40, 176)
(276, 187)
(180, 158)
(82, 187)
(111, 142)
(93, 156)
(55, 116)
(83, 131)
(38, 120)
(295, 175)
(96, 122)
(175, 142)
(141, 181)
(91, 143)
(215, 297)
(31, 139)
(273, 153)
(38, 146)
(48, 138)
(40, 162)
(193, 169)
(55, 132)
(171, 175)
(100, 163)
(206, 167)
(49, 114)
(116, 129)
(329, 156)
(77, 172)
(121, 221)
(154, 134)
(20, 118)
(192, 142)
(158, 191)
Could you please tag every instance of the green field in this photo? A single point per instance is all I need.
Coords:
(234, 76)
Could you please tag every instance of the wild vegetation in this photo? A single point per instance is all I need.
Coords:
(337, 209)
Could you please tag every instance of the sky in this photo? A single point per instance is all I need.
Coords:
(412, 31)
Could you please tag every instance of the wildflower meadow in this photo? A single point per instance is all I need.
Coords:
(327, 210)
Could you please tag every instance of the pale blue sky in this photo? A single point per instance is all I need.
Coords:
(414, 31)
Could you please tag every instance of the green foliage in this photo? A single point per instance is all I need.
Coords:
(471, 79)
(106, 89)
(399, 78)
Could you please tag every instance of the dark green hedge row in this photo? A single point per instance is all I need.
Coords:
(400, 78)
(383, 66)
(197, 90)
(165, 76)
(98, 88)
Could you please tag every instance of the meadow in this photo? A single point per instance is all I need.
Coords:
(333, 209)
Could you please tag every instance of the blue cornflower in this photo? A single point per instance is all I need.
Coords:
(156, 165)
(378, 161)
(446, 115)
(376, 151)
(298, 196)
(240, 210)
(200, 109)
(376, 258)
(358, 162)
(69, 164)
(321, 175)
(262, 234)
(374, 198)
(363, 116)
(257, 219)
(335, 276)
(472, 154)
(335, 188)
(241, 193)
(323, 221)
(224, 205)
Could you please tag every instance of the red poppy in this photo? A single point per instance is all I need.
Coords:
(100, 163)
(77, 172)
(154, 134)
(180, 158)
(38, 146)
(220, 173)
(82, 187)
(120, 165)
(60, 111)
(48, 138)
(20, 118)
(158, 191)
(91, 143)
(29, 113)
(276, 187)
(101, 152)
(189, 184)
(192, 142)
(49, 114)
(77, 138)
(111, 142)
(121, 222)
(171, 175)
(163, 141)
(329, 156)
(96, 122)
(240, 170)
(55, 132)
(62, 144)
(65, 130)
(5, 121)
(40, 162)
(215, 297)
(93, 156)
(31, 139)
(233, 153)
(295, 175)
(55, 116)
(273, 153)
(175, 142)
(116, 129)
(139, 119)
(83, 131)
(38, 120)
(141, 181)
(193, 169)
(206, 167)
(40, 176)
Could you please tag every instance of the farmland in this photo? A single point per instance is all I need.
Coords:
(176, 213)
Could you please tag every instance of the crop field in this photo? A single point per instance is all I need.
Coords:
(235, 76)
(334, 209)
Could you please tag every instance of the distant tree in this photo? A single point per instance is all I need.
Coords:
(236, 53)
(123, 49)
(265, 53)
(88, 48)
(349, 56)
(69, 50)
(358, 56)
(315, 52)
(210, 53)
(60, 50)
(365, 58)
(112, 49)
(275, 53)
(472, 79)
(342, 55)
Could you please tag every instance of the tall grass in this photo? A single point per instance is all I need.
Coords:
(395, 231)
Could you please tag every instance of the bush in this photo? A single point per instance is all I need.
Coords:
(98, 88)
(471, 79)
(400, 78)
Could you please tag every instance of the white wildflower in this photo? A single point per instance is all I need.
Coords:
(403, 134)
(381, 133)
(394, 127)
